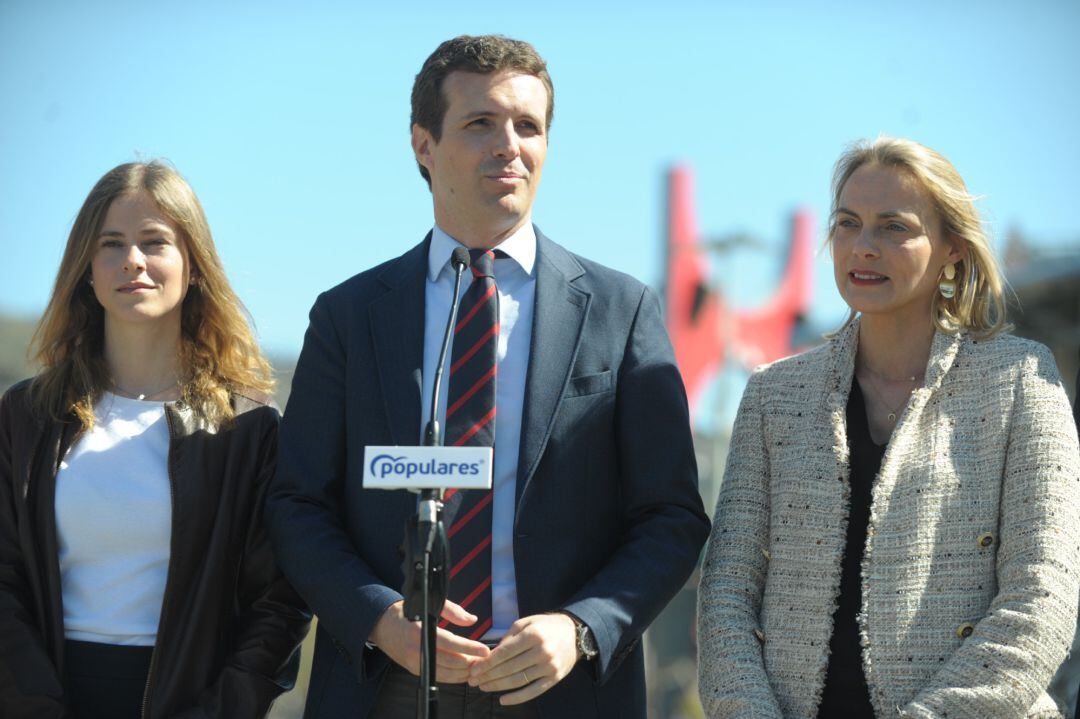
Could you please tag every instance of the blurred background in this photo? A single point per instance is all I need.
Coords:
(692, 148)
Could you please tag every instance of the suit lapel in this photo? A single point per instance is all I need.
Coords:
(558, 319)
(397, 329)
(905, 435)
(835, 389)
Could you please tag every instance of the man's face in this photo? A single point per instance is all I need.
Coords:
(486, 166)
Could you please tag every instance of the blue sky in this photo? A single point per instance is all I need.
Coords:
(291, 122)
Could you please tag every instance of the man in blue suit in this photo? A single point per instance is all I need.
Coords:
(562, 365)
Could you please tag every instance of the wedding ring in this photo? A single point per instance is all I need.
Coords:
(526, 675)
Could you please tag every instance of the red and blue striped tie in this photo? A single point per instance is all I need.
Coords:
(470, 420)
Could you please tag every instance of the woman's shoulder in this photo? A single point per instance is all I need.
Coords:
(22, 422)
(1009, 355)
(1006, 344)
(16, 400)
(18, 390)
(796, 368)
(247, 399)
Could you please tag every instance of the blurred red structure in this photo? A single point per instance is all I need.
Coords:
(705, 329)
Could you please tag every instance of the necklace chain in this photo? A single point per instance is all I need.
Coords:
(879, 375)
(892, 412)
(143, 395)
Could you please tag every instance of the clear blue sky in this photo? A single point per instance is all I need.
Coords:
(291, 122)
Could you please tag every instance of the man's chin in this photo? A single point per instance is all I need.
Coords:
(511, 207)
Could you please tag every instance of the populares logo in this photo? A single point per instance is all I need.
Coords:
(385, 465)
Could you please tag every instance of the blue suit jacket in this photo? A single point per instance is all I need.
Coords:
(609, 522)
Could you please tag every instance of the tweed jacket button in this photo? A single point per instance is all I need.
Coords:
(965, 630)
(760, 635)
(986, 539)
(765, 553)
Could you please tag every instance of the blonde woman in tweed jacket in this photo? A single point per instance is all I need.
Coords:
(962, 573)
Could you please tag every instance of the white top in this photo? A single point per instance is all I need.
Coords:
(516, 284)
(114, 522)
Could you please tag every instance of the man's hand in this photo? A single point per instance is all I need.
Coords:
(399, 639)
(534, 656)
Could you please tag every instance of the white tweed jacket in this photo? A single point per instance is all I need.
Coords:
(972, 560)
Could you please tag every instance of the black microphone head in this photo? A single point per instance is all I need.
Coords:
(460, 258)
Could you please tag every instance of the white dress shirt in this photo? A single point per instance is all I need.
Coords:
(516, 283)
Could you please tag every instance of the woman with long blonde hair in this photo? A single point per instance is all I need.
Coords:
(135, 576)
(896, 532)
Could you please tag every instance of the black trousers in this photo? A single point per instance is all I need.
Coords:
(397, 700)
(105, 681)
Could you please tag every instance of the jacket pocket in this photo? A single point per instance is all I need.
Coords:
(589, 384)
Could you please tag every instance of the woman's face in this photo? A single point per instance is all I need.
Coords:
(140, 269)
(888, 247)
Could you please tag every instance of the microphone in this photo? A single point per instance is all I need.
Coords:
(428, 470)
(460, 261)
(460, 258)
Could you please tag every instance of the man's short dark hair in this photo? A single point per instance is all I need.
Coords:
(482, 54)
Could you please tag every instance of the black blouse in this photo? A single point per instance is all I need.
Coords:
(845, 695)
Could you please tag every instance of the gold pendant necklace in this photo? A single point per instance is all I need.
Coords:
(893, 412)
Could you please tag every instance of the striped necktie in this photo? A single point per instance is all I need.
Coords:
(470, 421)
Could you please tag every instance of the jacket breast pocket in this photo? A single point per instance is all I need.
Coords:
(589, 384)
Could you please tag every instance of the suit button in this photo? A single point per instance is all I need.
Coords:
(965, 630)
(760, 635)
(986, 539)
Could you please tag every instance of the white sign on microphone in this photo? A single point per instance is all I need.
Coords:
(427, 467)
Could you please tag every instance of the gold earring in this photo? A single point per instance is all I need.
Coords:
(947, 283)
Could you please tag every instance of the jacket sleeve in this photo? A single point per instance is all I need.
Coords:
(665, 523)
(307, 499)
(270, 623)
(1014, 650)
(731, 673)
(29, 685)
(1076, 401)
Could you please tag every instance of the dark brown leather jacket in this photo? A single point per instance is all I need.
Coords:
(230, 626)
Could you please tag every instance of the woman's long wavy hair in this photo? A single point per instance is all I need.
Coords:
(218, 350)
(979, 303)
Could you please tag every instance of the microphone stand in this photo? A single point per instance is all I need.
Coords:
(426, 548)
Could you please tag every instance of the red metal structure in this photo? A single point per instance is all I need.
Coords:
(704, 328)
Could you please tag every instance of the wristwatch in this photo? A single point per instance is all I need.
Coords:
(586, 642)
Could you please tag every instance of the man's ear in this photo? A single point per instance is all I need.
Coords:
(422, 143)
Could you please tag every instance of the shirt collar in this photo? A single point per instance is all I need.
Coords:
(520, 247)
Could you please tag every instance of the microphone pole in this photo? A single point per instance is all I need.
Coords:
(427, 550)
(460, 261)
